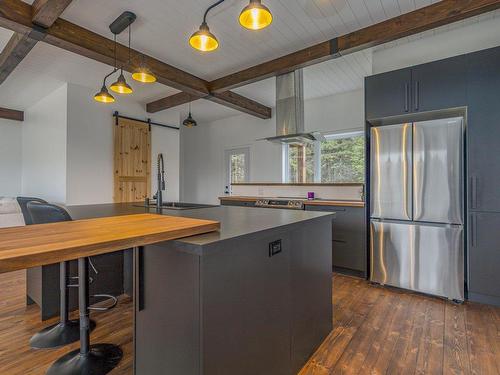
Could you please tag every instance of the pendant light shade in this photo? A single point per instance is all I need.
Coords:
(121, 86)
(104, 96)
(255, 16)
(189, 122)
(143, 75)
(203, 40)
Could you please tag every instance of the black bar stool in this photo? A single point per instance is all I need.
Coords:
(66, 331)
(96, 359)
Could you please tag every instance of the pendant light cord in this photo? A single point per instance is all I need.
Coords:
(210, 8)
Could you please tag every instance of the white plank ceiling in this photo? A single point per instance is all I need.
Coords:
(164, 26)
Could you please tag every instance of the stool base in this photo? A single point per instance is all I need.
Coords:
(57, 335)
(101, 359)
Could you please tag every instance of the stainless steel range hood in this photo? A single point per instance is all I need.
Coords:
(290, 111)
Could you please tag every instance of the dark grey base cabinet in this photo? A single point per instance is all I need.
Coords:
(236, 309)
(348, 239)
(484, 257)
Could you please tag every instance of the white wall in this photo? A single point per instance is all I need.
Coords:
(44, 148)
(203, 147)
(10, 157)
(90, 147)
(442, 43)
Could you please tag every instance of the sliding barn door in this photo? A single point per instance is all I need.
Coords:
(132, 161)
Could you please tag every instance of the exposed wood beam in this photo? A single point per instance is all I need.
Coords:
(14, 52)
(11, 114)
(432, 16)
(170, 102)
(45, 12)
(233, 100)
(16, 15)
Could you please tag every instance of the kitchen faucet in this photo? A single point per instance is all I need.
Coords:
(161, 180)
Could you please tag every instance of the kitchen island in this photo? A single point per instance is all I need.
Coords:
(252, 298)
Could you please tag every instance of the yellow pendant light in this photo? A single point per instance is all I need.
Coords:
(104, 96)
(203, 40)
(121, 86)
(143, 74)
(255, 16)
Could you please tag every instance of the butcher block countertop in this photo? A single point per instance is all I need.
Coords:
(36, 245)
(315, 202)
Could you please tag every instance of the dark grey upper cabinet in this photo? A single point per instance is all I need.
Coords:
(427, 87)
(388, 94)
(483, 87)
(439, 85)
(484, 256)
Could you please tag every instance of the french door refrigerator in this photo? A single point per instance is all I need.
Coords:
(416, 220)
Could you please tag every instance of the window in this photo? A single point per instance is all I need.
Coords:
(340, 158)
(237, 163)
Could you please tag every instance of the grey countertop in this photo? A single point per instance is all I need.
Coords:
(235, 221)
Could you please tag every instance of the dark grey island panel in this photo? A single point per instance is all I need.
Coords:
(255, 304)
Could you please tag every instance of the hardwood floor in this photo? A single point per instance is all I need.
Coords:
(376, 331)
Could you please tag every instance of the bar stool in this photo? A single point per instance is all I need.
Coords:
(66, 331)
(96, 359)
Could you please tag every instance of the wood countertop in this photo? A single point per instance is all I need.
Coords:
(36, 245)
(316, 202)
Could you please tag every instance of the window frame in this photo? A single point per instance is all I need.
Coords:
(227, 163)
(317, 153)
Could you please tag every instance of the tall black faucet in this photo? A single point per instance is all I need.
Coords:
(161, 180)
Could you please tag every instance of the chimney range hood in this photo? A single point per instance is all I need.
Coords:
(290, 111)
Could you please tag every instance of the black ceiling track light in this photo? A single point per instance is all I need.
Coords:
(141, 74)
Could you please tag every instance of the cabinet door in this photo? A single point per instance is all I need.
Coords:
(483, 84)
(348, 236)
(387, 94)
(246, 306)
(439, 85)
(484, 254)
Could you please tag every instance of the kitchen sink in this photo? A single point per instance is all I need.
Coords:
(176, 205)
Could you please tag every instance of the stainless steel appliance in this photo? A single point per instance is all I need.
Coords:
(293, 204)
(417, 206)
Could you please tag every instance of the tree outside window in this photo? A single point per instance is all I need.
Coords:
(338, 159)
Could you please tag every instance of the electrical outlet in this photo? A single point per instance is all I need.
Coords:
(274, 248)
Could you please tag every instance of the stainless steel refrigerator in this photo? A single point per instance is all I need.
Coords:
(416, 222)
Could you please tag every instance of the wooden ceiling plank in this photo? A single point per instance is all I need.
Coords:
(14, 52)
(11, 114)
(17, 15)
(46, 12)
(432, 16)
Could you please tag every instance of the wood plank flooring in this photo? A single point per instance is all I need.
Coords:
(376, 331)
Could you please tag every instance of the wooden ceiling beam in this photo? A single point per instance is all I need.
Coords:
(15, 51)
(170, 102)
(46, 12)
(432, 16)
(17, 15)
(11, 114)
